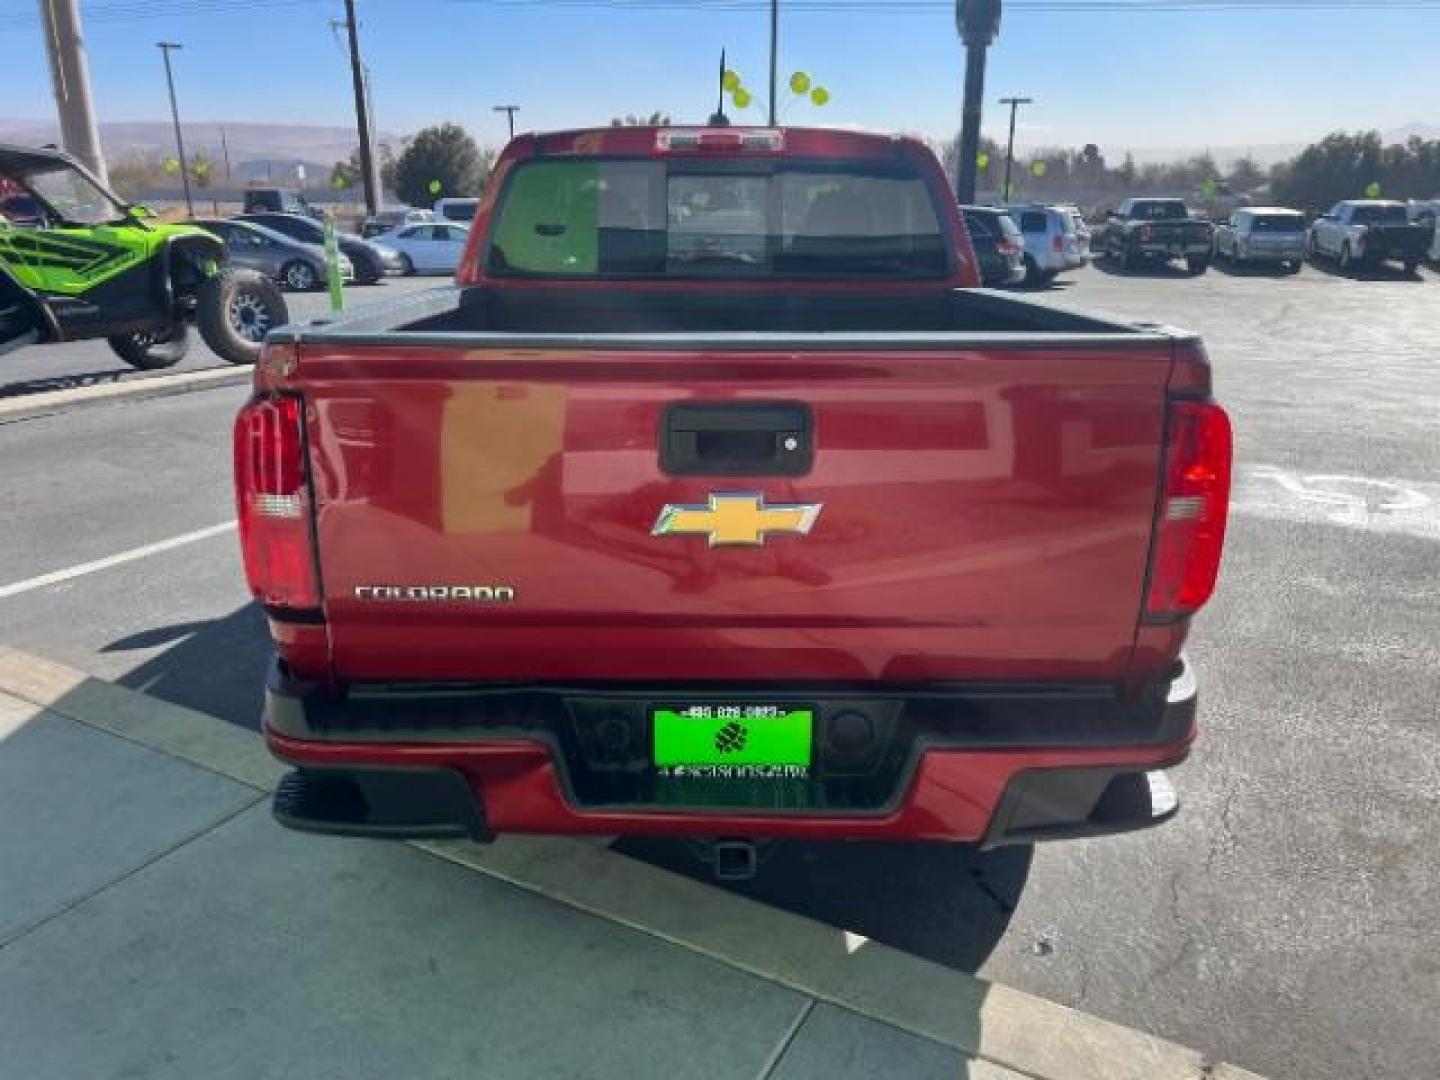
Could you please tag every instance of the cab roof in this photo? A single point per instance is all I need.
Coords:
(644, 141)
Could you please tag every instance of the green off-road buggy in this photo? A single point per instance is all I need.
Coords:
(77, 262)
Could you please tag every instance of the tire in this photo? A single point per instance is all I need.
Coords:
(1197, 265)
(235, 309)
(1130, 259)
(1294, 267)
(1033, 277)
(1314, 249)
(152, 350)
(1412, 267)
(407, 266)
(367, 271)
(299, 276)
(1347, 260)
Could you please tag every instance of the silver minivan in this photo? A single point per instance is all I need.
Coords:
(1263, 234)
(1053, 242)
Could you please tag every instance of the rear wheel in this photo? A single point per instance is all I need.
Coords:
(1412, 267)
(1347, 259)
(1295, 266)
(1198, 264)
(235, 310)
(407, 266)
(151, 350)
(1130, 258)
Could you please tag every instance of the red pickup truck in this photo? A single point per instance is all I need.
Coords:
(714, 500)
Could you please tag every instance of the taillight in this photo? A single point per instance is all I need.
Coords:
(1057, 244)
(273, 502)
(1146, 232)
(1190, 529)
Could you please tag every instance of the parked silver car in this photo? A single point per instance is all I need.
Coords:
(1254, 235)
(294, 265)
(1052, 243)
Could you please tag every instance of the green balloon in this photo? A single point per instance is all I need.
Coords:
(338, 183)
(1039, 168)
(1373, 190)
(800, 82)
(730, 81)
(983, 161)
(1209, 187)
(742, 98)
(435, 187)
(819, 95)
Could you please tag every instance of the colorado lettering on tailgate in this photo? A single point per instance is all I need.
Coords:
(480, 594)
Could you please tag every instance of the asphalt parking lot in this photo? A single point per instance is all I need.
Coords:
(1285, 921)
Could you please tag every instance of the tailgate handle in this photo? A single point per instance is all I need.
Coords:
(750, 438)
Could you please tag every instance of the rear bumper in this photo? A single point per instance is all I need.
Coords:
(407, 776)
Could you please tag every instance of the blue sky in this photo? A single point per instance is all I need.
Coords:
(1218, 78)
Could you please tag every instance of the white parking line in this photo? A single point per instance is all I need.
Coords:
(113, 560)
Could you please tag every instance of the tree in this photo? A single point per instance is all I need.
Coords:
(655, 119)
(1245, 174)
(445, 156)
(1345, 166)
(345, 175)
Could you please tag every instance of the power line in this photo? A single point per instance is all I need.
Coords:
(128, 10)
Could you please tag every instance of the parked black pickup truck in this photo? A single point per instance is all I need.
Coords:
(1149, 230)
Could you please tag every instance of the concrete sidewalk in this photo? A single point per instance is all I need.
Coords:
(154, 922)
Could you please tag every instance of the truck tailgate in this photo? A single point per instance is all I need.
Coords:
(984, 513)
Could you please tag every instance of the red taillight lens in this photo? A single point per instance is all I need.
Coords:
(1190, 531)
(1057, 244)
(273, 502)
(1146, 232)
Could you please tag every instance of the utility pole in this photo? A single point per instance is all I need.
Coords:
(509, 111)
(1014, 103)
(367, 164)
(165, 47)
(70, 76)
(978, 22)
(225, 151)
(774, 48)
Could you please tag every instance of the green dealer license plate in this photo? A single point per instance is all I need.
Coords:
(740, 742)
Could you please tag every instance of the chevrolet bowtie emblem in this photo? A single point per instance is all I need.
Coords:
(736, 518)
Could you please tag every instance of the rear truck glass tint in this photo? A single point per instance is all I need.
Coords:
(1159, 210)
(1281, 223)
(1380, 215)
(574, 217)
(1034, 221)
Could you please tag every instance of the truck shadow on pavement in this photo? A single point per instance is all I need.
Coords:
(949, 903)
(216, 667)
(1382, 272)
(1174, 270)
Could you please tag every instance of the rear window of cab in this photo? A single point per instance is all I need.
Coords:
(618, 218)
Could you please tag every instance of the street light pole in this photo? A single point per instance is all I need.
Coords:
(978, 22)
(165, 47)
(509, 111)
(774, 50)
(70, 77)
(362, 112)
(1014, 103)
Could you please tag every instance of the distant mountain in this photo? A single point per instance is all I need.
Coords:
(257, 151)
(1265, 154)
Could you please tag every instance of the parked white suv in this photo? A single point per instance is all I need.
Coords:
(1052, 242)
